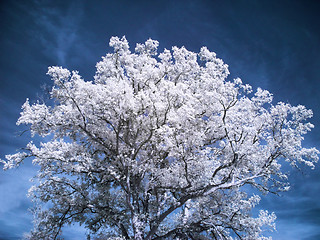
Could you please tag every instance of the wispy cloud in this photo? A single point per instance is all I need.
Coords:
(57, 28)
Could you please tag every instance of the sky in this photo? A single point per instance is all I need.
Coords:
(274, 45)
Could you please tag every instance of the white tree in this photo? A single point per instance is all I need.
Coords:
(159, 146)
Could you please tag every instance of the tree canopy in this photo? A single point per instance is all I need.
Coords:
(159, 146)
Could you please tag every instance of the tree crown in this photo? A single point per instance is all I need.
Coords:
(158, 146)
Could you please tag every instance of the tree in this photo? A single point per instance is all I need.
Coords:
(159, 146)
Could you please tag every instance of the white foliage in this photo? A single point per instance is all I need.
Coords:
(159, 145)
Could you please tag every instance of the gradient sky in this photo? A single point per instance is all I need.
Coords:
(270, 44)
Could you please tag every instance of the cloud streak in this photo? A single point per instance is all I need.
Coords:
(57, 28)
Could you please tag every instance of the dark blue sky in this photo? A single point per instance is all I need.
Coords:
(270, 44)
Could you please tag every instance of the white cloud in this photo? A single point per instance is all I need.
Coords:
(57, 28)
